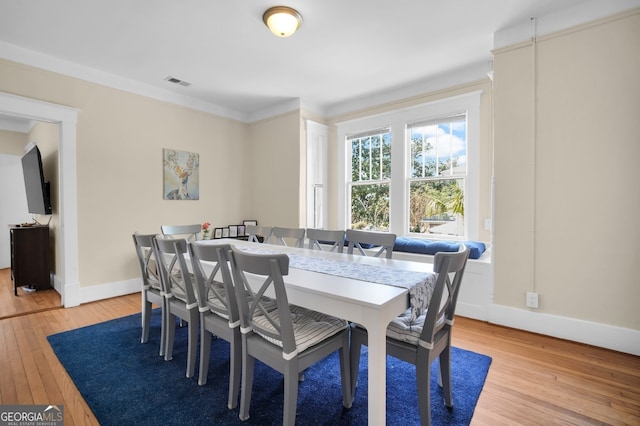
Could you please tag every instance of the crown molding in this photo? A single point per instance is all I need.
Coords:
(81, 72)
(467, 74)
(560, 20)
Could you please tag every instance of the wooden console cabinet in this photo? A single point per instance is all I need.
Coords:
(30, 264)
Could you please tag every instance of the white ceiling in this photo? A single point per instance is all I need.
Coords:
(345, 49)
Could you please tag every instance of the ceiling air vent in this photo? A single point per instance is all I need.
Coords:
(177, 81)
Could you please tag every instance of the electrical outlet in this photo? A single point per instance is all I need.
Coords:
(532, 299)
(487, 224)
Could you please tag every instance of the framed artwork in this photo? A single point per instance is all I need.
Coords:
(233, 231)
(217, 233)
(250, 222)
(181, 179)
(225, 232)
(240, 230)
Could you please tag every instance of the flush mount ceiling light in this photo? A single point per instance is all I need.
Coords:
(283, 21)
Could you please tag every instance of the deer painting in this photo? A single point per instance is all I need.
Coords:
(179, 166)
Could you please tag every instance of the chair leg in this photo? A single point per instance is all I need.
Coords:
(163, 328)
(445, 375)
(354, 360)
(345, 373)
(205, 352)
(235, 371)
(290, 393)
(192, 346)
(146, 319)
(247, 384)
(423, 383)
(170, 333)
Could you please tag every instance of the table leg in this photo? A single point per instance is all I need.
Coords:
(377, 374)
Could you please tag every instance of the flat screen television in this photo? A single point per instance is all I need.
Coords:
(38, 191)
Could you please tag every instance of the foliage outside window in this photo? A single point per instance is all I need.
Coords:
(370, 180)
(438, 168)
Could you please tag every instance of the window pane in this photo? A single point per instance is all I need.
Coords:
(370, 207)
(375, 157)
(452, 149)
(371, 157)
(439, 148)
(437, 207)
(423, 159)
(386, 156)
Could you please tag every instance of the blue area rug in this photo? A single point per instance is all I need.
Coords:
(126, 382)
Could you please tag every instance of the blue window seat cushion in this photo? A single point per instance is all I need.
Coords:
(415, 245)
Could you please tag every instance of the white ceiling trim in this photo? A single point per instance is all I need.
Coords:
(49, 63)
(560, 20)
(470, 73)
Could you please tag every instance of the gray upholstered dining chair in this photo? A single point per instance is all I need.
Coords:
(384, 240)
(326, 240)
(190, 232)
(218, 311)
(280, 236)
(422, 340)
(180, 293)
(255, 232)
(286, 337)
(152, 291)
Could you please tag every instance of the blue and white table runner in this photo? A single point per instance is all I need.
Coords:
(419, 284)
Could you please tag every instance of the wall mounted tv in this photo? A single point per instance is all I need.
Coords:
(38, 191)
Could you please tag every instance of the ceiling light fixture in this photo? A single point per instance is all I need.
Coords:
(283, 21)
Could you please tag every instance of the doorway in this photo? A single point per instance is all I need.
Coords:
(66, 248)
(17, 136)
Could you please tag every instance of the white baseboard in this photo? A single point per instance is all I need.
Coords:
(70, 295)
(470, 310)
(108, 290)
(602, 335)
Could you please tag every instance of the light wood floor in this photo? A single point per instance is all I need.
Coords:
(25, 302)
(533, 379)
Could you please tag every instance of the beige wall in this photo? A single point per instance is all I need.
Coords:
(567, 204)
(13, 143)
(120, 137)
(275, 170)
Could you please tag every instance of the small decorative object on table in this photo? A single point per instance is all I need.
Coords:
(217, 233)
(205, 231)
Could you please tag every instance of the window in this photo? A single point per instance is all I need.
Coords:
(437, 171)
(412, 171)
(370, 178)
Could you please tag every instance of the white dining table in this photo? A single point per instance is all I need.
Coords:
(370, 304)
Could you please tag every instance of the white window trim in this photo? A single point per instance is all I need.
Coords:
(397, 120)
